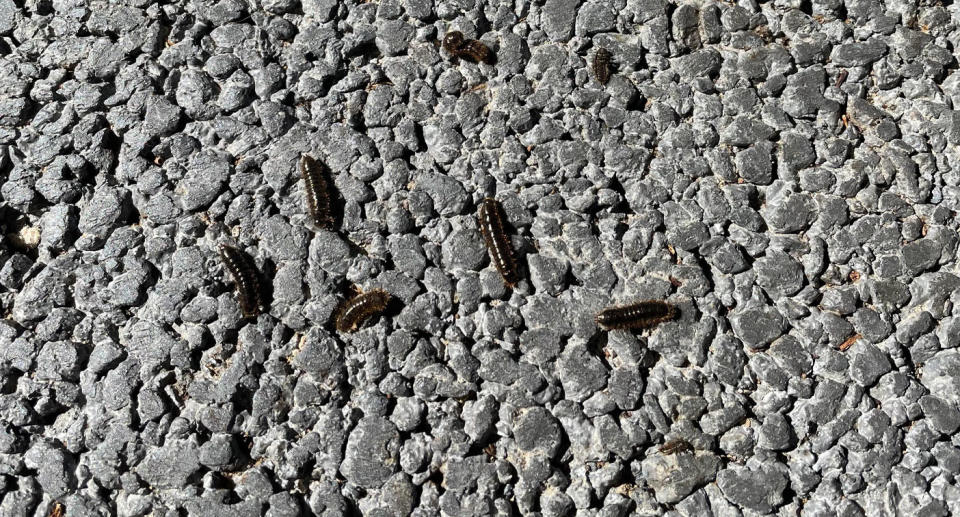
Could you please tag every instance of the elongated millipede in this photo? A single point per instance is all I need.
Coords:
(640, 315)
(471, 49)
(498, 242)
(601, 65)
(353, 312)
(317, 185)
(246, 278)
(676, 446)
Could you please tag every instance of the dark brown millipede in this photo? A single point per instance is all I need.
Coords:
(458, 46)
(317, 187)
(245, 277)
(601, 65)
(640, 315)
(354, 312)
(494, 232)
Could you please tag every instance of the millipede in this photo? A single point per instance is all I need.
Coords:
(494, 232)
(245, 277)
(471, 49)
(317, 186)
(601, 65)
(640, 315)
(354, 312)
(676, 446)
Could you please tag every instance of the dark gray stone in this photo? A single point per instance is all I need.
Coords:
(944, 417)
(941, 375)
(775, 434)
(796, 151)
(558, 18)
(674, 477)
(758, 326)
(393, 37)
(702, 63)
(104, 211)
(537, 430)
(867, 363)
(371, 455)
(921, 254)
(760, 490)
(162, 116)
(594, 17)
(859, 53)
(729, 258)
(745, 131)
(274, 117)
(803, 95)
(170, 466)
(581, 374)
(779, 274)
(790, 215)
(8, 13)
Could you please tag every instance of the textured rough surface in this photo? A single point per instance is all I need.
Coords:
(783, 173)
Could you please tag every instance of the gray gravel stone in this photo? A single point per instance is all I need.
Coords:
(581, 374)
(673, 478)
(760, 490)
(537, 431)
(371, 454)
(559, 17)
(754, 164)
(594, 17)
(8, 12)
(758, 327)
(779, 274)
(53, 465)
(859, 53)
(170, 466)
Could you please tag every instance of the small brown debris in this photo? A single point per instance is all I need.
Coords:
(847, 343)
(676, 446)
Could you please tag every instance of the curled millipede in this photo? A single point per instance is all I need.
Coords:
(676, 446)
(498, 242)
(640, 315)
(318, 190)
(246, 278)
(601, 65)
(458, 46)
(353, 312)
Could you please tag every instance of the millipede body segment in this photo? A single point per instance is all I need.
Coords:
(601, 65)
(494, 232)
(470, 49)
(246, 278)
(639, 315)
(317, 185)
(354, 312)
